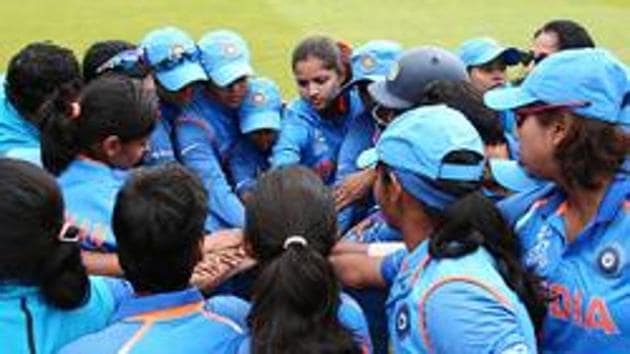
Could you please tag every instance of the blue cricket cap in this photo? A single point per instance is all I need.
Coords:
(225, 57)
(480, 51)
(262, 106)
(415, 144)
(591, 76)
(173, 57)
(510, 175)
(373, 61)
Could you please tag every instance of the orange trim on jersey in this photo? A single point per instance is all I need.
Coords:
(170, 313)
(539, 203)
(126, 348)
(562, 208)
(423, 327)
(418, 271)
(214, 317)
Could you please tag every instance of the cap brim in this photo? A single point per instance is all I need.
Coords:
(181, 75)
(367, 158)
(512, 176)
(380, 94)
(231, 72)
(510, 56)
(261, 120)
(504, 98)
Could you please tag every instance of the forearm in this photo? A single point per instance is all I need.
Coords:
(97, 263)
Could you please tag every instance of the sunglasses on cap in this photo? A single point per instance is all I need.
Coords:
(383, 115)
(539, 108)
(530, 57)
(129, 62)
(177, 55)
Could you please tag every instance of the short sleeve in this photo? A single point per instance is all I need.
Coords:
(465, 317)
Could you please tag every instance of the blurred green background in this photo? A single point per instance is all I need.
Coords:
(273, 27)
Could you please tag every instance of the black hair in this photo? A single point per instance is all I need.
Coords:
(37, 72)
(158, 222)
(473, 221)
(592, 149)
(101, 52)
(570, 34)
(463, 96)
(324, 49)
(111, 105)
(296, 294)
(31, 253)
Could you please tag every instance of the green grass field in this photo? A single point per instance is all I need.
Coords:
(273, 27)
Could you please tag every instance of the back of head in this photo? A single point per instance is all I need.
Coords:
(158, 222)
(39, 71)
(570, 34)
(99, 53)
(34, 247)
(462, 96)
(108, 106)
(290, 229)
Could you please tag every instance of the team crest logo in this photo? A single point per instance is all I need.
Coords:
(258, 99)
(368, 63)
(402, 321)
(177, 51)
(230, 50)
(609, 260)
(393, 73)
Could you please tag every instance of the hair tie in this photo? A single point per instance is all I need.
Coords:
(75, 110)
(296, 239)
(66, 234)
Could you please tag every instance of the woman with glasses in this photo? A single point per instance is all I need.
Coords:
(570, 111)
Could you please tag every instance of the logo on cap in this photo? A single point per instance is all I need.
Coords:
(230, 50)
(393, 72)
(368, 62)
(177, 51)
(258, 99)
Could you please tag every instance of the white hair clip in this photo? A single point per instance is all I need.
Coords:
(294, 239)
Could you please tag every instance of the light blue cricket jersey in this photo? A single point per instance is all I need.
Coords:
(590, 277)
(26, 317)
(308, 139)
(453, 305)
(174, 322)
(15, 131)
(89, 191)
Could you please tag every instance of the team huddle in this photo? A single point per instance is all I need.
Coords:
(164, 197)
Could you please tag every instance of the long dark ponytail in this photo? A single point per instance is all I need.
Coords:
(473, 221)
(35, 247)
(290, 229)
